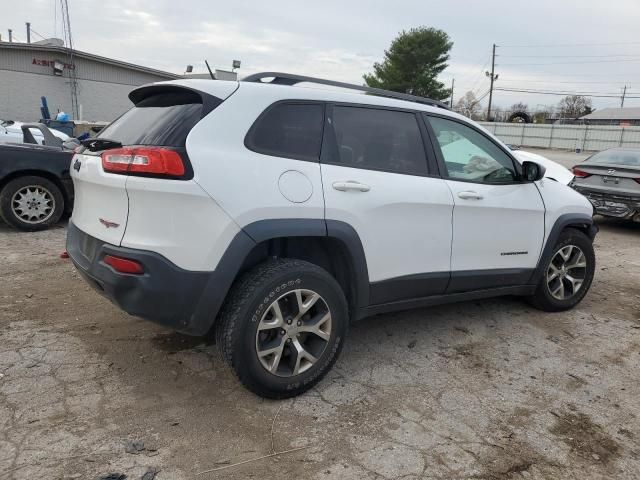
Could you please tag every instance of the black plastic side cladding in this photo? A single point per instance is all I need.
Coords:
(221, 280)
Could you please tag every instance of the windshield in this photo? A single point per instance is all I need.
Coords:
(617, 157)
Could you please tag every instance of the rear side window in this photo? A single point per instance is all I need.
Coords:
(378, 140)
(291, 130)
(163, 119)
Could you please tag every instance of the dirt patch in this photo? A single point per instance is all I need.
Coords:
(585, 438)
(175, 342)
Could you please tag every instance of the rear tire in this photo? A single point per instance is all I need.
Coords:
(31, 203)
(567, 275)
(291, 308)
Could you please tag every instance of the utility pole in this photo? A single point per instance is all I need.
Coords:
(493, 77)
(453, 82)
(10, 35)
(28, 32)
(624, 94)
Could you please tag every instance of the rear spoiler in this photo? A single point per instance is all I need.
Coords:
(175, 94)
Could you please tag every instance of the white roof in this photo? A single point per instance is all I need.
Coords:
(629, 113)
(222, 89)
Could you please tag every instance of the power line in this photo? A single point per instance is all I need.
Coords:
(570, 45)
(571, 56)
(544, 92)
(33, 31)
(637, 59)
(570, 82)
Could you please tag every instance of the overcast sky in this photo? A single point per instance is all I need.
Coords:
(342, 39)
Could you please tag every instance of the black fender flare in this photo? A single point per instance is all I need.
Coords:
(579, 220)
(221, 279)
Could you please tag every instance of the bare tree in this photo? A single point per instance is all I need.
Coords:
(468, 105)
(575, 106)
(519, 107)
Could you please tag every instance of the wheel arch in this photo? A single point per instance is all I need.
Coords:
(332, 245)
(67, 199)
(578, 221)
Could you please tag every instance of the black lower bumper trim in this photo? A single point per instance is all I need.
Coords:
(165, 293)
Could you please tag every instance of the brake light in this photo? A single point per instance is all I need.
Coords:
(637, 180)
(580, 173)
(143, 160)
(123, 265)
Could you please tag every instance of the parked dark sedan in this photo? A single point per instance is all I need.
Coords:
(611, 181)
(35, 185)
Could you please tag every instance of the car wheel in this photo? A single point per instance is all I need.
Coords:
(31, 203)
(282, 327)
(568, 274)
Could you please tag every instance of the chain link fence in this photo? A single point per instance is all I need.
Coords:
(567, 137)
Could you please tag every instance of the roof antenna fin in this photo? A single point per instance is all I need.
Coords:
(209, 68)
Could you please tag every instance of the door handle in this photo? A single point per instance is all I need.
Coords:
(470, 195)
(351, 185)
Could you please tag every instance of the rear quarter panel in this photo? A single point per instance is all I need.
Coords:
(244, 183)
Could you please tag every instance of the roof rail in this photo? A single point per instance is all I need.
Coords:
(280, 78)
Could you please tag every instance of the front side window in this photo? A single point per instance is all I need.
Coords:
(291, 130)
(469, 155)
(378, 140)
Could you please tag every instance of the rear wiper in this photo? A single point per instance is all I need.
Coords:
(99, 144)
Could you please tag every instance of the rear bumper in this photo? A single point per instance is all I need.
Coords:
(611, 204)
(165, 293)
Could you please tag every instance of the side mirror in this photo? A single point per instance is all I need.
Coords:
(532, 172)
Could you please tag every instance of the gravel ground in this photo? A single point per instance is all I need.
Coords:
(479, 390)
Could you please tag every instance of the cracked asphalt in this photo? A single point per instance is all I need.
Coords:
(480, 390)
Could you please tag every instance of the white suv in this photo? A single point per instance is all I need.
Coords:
(277, 214)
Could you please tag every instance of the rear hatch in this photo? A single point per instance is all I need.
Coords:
(147, 141)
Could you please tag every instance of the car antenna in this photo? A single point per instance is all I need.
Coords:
(209, 68)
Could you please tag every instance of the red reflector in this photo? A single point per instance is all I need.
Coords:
(149, 160)
(123, 265)
(580, 173)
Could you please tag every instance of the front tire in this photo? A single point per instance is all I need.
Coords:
(568, 274)
(282, 327)
(31, 203)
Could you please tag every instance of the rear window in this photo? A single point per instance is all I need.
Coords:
(617, 157)
(162, 119)
(291, 130)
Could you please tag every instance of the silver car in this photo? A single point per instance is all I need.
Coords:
(611, 181)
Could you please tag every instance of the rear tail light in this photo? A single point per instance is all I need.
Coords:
(637, 180)
(143, 160)
(580, 173)
(123, 265)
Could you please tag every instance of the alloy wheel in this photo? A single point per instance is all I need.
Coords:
(33, 204)
(293, 333)
(567, 272)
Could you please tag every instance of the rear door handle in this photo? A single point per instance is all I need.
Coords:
(351, 185)
(470, 195)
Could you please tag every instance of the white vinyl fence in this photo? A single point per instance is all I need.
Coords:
(568, 137)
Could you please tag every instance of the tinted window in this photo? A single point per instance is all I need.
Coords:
(469, 155)
(378, 140)
(164, 119)
(289, 130)
(617, 156)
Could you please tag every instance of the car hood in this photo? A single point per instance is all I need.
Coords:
(553, 169)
